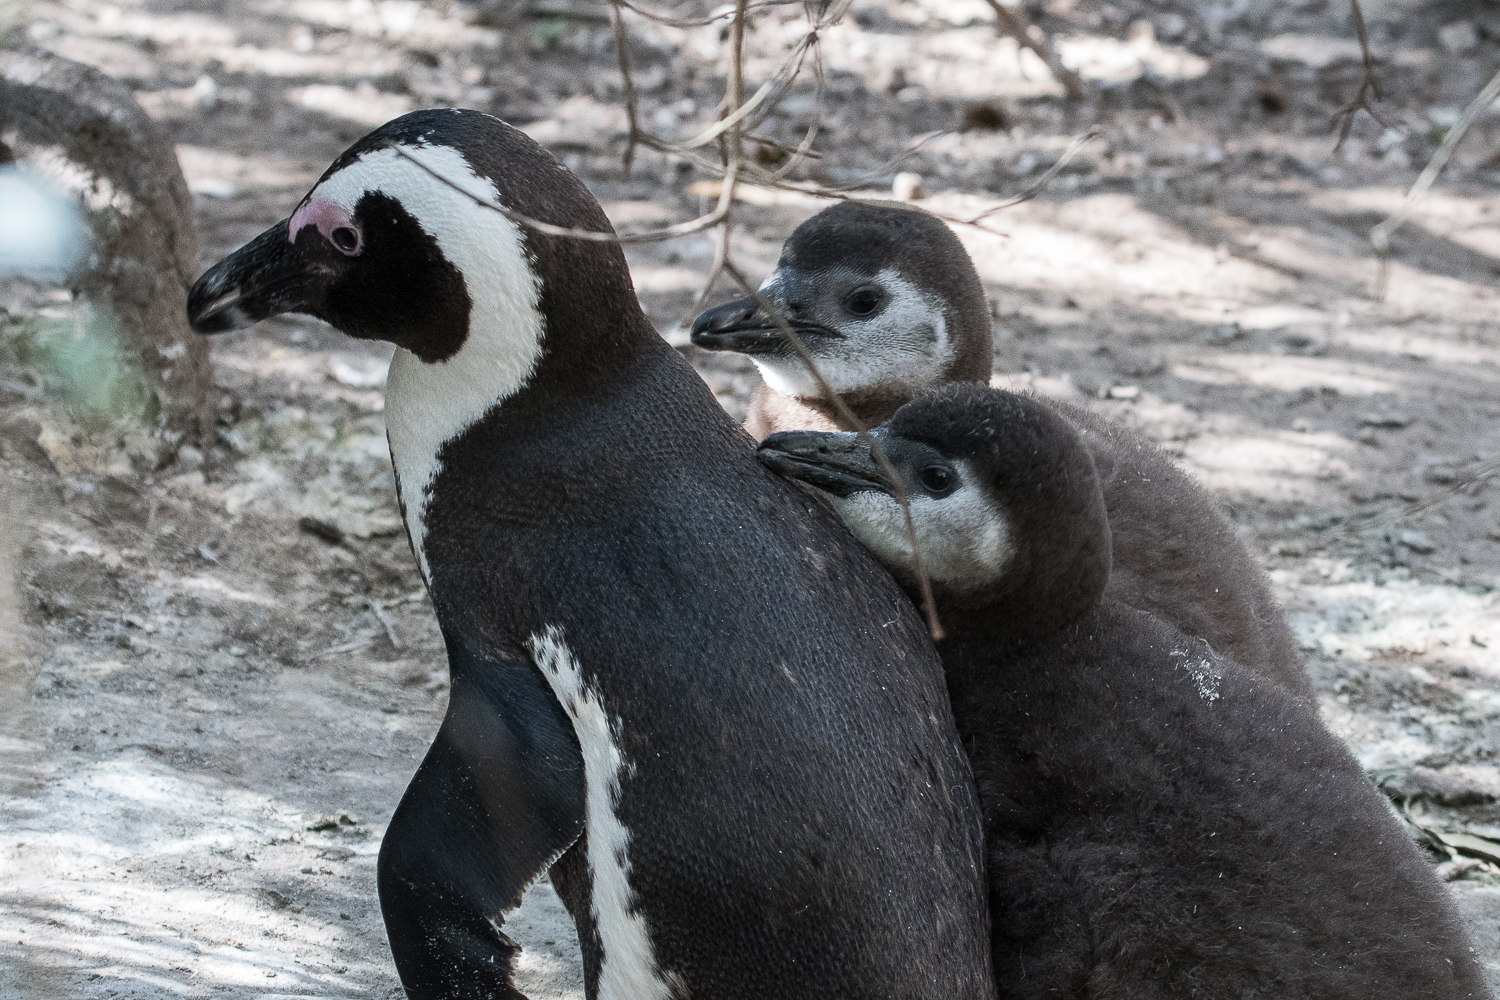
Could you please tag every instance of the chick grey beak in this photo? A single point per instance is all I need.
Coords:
(836, 462)
(263, 278)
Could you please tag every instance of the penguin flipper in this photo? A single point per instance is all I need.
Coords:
(498, 798)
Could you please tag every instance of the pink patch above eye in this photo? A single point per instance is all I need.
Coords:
(327, 217)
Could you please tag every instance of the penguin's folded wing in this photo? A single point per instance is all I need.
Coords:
(498, 798)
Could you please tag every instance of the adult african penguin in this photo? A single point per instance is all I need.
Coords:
(696, 699)
(1161, 821)
(890, 306)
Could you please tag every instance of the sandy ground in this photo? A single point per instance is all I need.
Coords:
(207, 714)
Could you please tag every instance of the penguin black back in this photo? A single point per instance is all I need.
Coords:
(1160, 821)
(671, 683)
(1175, 554)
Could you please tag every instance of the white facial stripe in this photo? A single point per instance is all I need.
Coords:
(907, 343)
(428, 405)
(629, 970)
(964, 539)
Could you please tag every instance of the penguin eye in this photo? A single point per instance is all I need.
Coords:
(935, 479)
(346, 239)
(864, 301)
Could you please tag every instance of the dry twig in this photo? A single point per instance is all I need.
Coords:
(738, 117)
(1392, 516)
(924, 582)
(1016, 24)
(1369, 85)
(622, 53)
(1062, 161)
(1380, 236)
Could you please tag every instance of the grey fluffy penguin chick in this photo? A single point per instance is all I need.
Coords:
(1161, 821)
(890, 306)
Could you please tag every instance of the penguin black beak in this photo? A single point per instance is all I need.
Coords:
(735, 326)
(835, 462)
(263, 278)
(740, 326)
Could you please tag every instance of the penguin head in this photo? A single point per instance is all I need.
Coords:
(886, 300)
(1004, 499)
(392, 243)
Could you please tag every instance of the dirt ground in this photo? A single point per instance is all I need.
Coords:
(207, 714)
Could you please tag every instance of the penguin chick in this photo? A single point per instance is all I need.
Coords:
(885, 299)
(1161, 821)
(890, 306)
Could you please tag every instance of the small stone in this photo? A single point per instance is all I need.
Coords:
(189, 459)
(206, 92)
(907, 186)
(1441, 787)
(1452, 871)
(984, 116)
(1171, 26)
(358, 373)
(319, 528)
(1124, 392)
(1416, 541)
(1459, 37)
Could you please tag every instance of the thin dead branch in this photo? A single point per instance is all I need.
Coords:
(1017, 25)
(692, 22)
(1380, 236)
(1369, 85)
(622, 51)
(737, 119)
(847, 416)
(804, 148)
(698, 225)
(1391, 517)
(1062, 161)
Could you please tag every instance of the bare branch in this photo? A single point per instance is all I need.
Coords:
(718, 215)
(1380, 236)
(622, 48)
(692, 22)
(1046, 178)
(1018, 26)
(1393, 516)
(1369, 86)
(847, 416)
(804, 148)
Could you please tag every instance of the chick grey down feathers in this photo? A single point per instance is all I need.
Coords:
(1160, 821)
(1175, 554)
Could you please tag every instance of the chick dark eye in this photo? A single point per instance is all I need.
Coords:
(863, 301)
(935, 479)
(345, 239)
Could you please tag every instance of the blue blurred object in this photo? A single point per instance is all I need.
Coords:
(42, 233)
